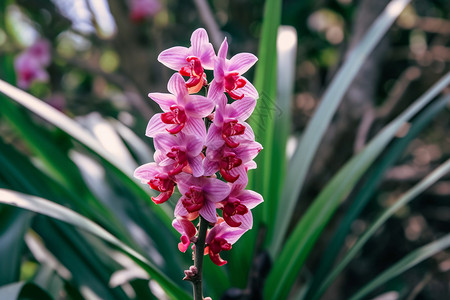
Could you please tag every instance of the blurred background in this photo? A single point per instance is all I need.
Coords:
(96, 60)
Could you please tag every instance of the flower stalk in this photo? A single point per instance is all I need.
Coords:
(198, 259)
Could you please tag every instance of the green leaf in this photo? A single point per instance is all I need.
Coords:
(314, 132)
(425, 183)
(308, 229)
(72, 128)
(404, 264)
(23, 291)
(14, 223)
(262, 122)
(61, 213)
(366, 190)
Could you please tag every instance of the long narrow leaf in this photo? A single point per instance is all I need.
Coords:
(303, 156)
(402, 201)
(262, 122)
(77, 132)
(61, 213)
(404, 264)
(366, 190)
(306, 232)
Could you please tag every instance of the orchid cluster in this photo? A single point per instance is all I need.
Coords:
(30, 64)
(143, 9)
(203, 144)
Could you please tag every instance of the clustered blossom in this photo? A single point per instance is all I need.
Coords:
(30, 64)
(203, 144)
(143, 9)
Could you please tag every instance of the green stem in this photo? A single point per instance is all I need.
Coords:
(198, 259)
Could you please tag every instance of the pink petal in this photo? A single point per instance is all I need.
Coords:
(179, 210)
(242, 180)
(216, 90)
(214, 138)
(242, 109)
(196, 165)
(208, 211)
(164, 100)
(223, 49)
(194, 145)
(248, 133)
(207, 56)
(248, 90)
(199, 106)
(199, 38)
(250, 198)
(246, 220)
(184, 182)
(165, 141)
(195, 127)
(209, 167)
(241, 62)
(174, 58)
(216, 190)
(145, 172)
(230, 234)
(248, 151)
(159, 156)
(177, 86)
(155, 125)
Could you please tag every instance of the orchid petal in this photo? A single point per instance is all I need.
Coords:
(196, 127)
(223, 49)
(208, 211)
(164, 100)
(248, 90)
(207, 56)
(180, 210)
(196, 165)
(177, 86)
(199, 38)
(242, 109)
(145, 172)
(250, 198)
(199, 106)
(248, 151)
(165, 141)
(216, 90)
(246, 220)
(210, 167)
(194, 145)
(174, 58)
(155, 125)
(241, 62)
(216, 190)
(214, 138)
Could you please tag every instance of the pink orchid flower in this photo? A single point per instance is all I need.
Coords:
(191, 61)
(142, 9)
(200, 194)
(228, 75)
(178, 153)
(231, 162)
(229, 127)
(187, 230)
(236, 208)
(181, 110)
(158, 179)
(28, 70)
(40, 51)
(220, 238)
